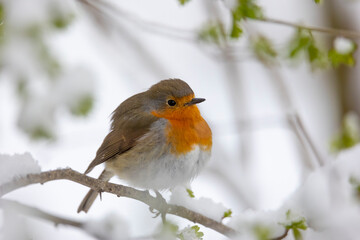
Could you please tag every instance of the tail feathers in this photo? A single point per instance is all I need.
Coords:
(92, 195)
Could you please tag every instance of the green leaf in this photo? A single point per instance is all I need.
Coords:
(183, 2)
(301, 42)
(295, 223)
(297, 234)
(262, 232)
(304, 42)
(227, 214)
(244, 9)
(84, 106)
(338, 59)
(264, 49)
(236, 30)
(247, 9)
(194, 229)
(41, 132)
(198, 234)
(62, 22)
(318, 1)
(190, 193)
(349, 134)
(313, 52)
(301, 224)
(213, 33)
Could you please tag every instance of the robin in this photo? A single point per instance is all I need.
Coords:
(158, 140)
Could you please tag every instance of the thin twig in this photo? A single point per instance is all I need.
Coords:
(293, 117)
(29, 211)
(190, 35)
(299, 126)
(35, 212)
(287, 101)
(20, 208)
(117, 189)
(332, 31)
(115, 13)
(281, 236)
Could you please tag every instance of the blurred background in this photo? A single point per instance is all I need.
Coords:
(276, 114)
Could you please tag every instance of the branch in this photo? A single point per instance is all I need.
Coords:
(120, 191)
(284, 235)
(101, 186)
(331, 31)
(113, 12)
(38, 213)
(190, 35)
(301, 131)
(35, 212)
(29, 211)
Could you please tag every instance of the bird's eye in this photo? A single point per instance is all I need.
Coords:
(171, 102)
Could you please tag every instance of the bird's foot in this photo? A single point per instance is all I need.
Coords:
(163, 207)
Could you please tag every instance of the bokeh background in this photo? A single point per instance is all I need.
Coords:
(66, 65)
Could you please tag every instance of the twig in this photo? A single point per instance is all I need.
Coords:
(29, 211)
(117, 189)
(112, 11)
(190, 35)
(300, 130)
(293, 117)
(332, 31)
(35, 212)
(38, 213)
(281, 236)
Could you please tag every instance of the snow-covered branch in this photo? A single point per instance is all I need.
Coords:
(91, 227)
(326, 203)
(120, 191)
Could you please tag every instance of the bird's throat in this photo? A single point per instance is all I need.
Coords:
(184, 134)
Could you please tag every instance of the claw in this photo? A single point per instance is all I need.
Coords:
(152, 210)
(163, 209)
(156, 213)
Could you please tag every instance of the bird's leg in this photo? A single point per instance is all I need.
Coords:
(163, 207)
(151, 209)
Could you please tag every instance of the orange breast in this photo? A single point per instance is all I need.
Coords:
(186, 129)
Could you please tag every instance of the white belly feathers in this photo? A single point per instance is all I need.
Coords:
(172, 170)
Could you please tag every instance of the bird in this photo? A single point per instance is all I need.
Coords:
(157, 140)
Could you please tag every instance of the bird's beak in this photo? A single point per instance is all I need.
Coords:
(194, 101)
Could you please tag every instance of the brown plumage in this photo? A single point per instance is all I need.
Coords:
(137, 149)
(130, 120)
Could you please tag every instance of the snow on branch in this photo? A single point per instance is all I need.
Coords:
(117, 189)
(17, 165)
(325, 206)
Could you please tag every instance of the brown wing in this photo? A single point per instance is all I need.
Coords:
(129, 123)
